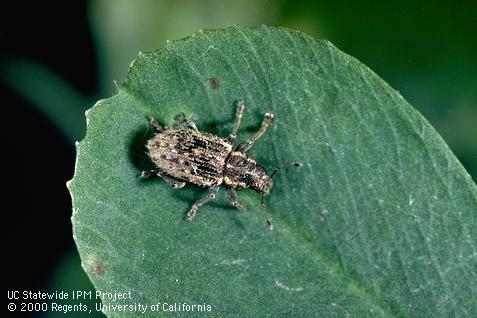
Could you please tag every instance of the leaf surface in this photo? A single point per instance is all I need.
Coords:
(379, 222)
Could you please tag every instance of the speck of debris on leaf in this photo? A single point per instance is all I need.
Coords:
(214, 83)
(95, 266)
(98, 268)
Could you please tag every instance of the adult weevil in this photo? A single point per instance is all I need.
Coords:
(182, 153)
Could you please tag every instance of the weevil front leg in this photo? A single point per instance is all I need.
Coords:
(149, 174)
(247, 144)
(211, 196)
(232, 196)
(184, 121)
(158, 127)
(238, 119)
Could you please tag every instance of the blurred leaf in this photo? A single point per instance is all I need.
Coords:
(145, 25)
(53, 96)
(379, 222)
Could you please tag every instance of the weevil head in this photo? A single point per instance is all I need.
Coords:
(262, 182)
(241, 171)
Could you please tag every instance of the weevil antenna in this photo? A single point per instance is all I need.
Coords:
(265, 212)
(262, 203)
(291, 164)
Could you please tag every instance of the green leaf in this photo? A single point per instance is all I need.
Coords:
(379, 222)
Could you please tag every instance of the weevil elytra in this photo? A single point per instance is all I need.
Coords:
(182, 153)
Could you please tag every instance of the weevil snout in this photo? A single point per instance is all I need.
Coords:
(267, 185)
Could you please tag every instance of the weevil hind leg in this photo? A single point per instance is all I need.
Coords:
(247, 144)
(175, 184)
(149, 174)
(238, 119)
(211, 196)
(154, 124)
(232, 197)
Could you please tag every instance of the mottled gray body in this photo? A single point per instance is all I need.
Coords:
(188, 155)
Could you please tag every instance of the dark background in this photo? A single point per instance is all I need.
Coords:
(58, 58)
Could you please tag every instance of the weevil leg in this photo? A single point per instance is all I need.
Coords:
(211, 196)
(149, 174)
(173, 183)
(232, 196)
(184, 121)
(155, 124)
(238, 118)
(265, 213)
(247, 144)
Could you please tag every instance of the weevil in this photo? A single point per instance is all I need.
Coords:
(182, 153)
